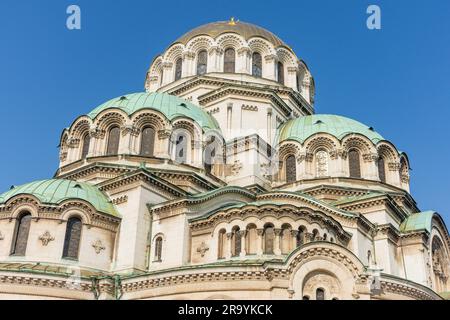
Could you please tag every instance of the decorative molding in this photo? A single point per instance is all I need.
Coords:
(248, 107)
(46, 238)
(98, 246)
(120, 200)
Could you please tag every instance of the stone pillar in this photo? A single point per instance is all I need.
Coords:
(167, 73)
(125, 139)
(163, 143)
(244, 60)
(215, 59)
(309, 237)
(269, 126)
(277, 242)
(189, 67)
(294, 234)
(259, 241)
(370, 166)
(291, 80)
(228, 246)
(271, 61)
(243, 234)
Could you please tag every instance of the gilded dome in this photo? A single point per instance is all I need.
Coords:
(246, 30)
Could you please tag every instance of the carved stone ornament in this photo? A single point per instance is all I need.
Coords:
(98, 246)
(202, 249)
(46, 238)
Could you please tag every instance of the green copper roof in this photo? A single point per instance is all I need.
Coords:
(171, 106)
(302, 128)
(55, 191)
(418, 221)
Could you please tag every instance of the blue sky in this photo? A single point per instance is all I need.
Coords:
(396, 80)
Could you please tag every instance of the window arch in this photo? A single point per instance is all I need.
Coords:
(147, 142)
(320, 294)
(321, 163)
(21, 234)
(181, 144)
(221, 244)
(113, 141)
(315, 235)
(354, 163)
(251, 239)
(73, 238)
(269, 237)
(291, 169)
(202, 62)
(210, 154)
(381, 169)
(229, 60)
(256, 65)
(178, 68)
(158, 248)
(86, 144)
(236, 244)
(280, 72)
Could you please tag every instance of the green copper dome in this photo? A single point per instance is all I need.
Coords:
(171, 106)
(302, 128)
(55, 191)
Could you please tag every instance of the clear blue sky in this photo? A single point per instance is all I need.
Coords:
(396, 79)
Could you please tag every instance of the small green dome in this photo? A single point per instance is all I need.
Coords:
(55, 191)
(302, 128)
(171, 106)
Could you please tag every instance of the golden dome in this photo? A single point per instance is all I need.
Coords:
(246, 30)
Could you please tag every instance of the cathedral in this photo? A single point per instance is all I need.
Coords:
(220, 181)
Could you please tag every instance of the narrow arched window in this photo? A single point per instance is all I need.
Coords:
(291, 169)
(354, 163)
(158, 248)
(86, 144)
(269, 237)
(280, 72)
(113, 141)
(181, 148)
(321, 163)
(320, 294)
(72, 239)
(305, 297)
(147, 142)
(252, 239)
(21, 235)
(229, 60)
(286, 239)
(221, 244)
(381, 170)
(236, 242)
(209, 154)
(178, 68)
(202, 62)
(315, 235)
(256, 65)
(301, 236)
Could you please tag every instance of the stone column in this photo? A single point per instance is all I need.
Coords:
(243, 234)
(259, 241)
(277, 242)
(370, 166)
(270, 67)
(244, 60)
(292, 77)
(294, 234)
(167, 73)
(228, 246)
(215, 59)
(189, 67)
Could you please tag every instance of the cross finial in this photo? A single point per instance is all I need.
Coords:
(232, 22)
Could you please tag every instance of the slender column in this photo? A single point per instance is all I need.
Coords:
(277, 241)
(259, 241)
(228, 246)
(294, 234)
(243, 234)
(271, 67)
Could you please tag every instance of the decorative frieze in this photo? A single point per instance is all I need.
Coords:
(249, 107)
(370, 157)
(394, 166)
(120, 200)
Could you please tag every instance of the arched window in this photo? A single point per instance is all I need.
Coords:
(86, 144)
(325, 237)
(21, 235)
(301, 236)
(305, 297)
(256, 65)
(322, 163)
(269, 237)
(280, 72)
(354, 164)
(113, 141)
(72, 239)
(229, 60)
(147, 142)
(221, 244)
(291, 170)
(181, 148)
(251, 239)
(178, 68)
(320, 294)
(315, 235)
(236, 242)
(209, 154)
(158, 248)
(202, 62)
(381, 169)
(286, 239)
